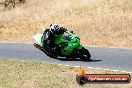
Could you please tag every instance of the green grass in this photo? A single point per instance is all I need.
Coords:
(28, 74)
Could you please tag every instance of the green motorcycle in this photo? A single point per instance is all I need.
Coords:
(71, 46)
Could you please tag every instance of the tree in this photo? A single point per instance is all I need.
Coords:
(9, 4)
(22, 1)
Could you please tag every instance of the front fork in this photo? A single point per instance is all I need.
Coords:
(79, 47)
(76, 52)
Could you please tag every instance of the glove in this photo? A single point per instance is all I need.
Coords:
(64, 29)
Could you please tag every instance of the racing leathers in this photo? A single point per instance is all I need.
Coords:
(48, 40)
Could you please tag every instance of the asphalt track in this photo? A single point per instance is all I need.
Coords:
(106, 58)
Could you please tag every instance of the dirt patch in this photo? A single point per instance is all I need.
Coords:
(98, 22)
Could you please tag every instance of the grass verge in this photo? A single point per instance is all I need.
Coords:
(28, 74)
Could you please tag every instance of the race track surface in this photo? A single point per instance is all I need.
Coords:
(106, 58)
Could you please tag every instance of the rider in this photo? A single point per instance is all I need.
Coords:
(50, 35)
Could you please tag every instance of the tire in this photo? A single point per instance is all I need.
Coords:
(85, 55)
(75, 54)
(81, 80)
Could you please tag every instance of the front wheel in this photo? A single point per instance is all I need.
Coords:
(85, 55)
(82, 53)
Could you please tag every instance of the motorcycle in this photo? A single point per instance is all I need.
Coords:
(71, 46)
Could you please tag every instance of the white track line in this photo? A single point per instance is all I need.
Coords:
(90, 67)
(67, 65)
(59, 64)
(114, 70)
(106, 69)
(98, 68)
(129, 72)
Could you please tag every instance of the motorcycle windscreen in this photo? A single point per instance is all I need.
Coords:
(38, 39)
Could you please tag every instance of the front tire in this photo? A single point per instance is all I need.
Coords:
(85, 55)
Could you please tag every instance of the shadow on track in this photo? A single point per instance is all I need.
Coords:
(95, 61)
(69, 59)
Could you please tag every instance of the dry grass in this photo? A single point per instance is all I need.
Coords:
(98, 22)
(27, 74)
